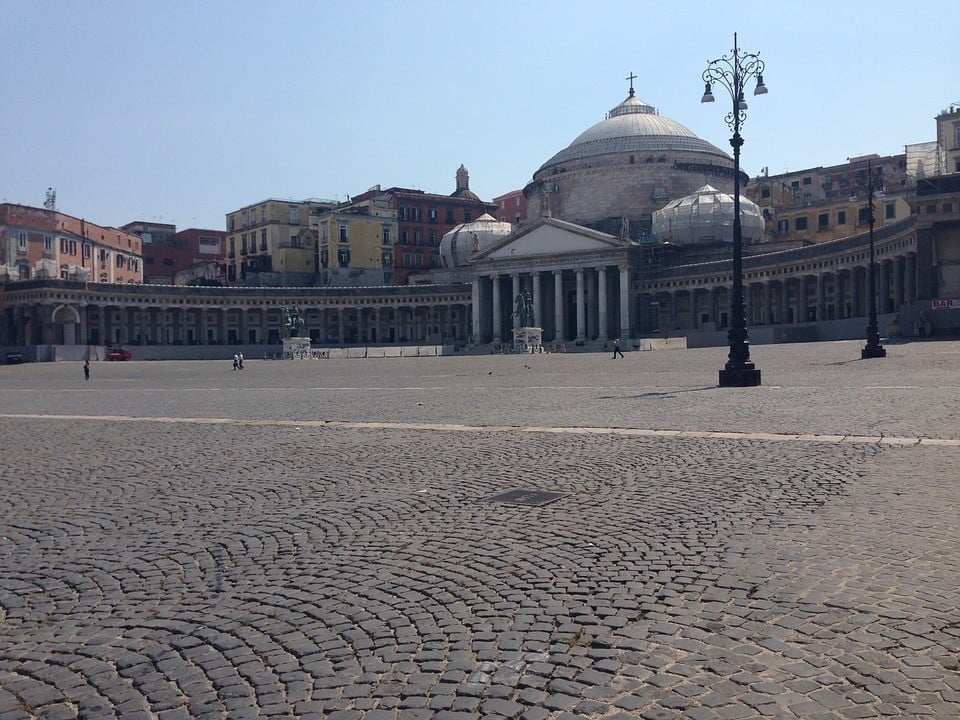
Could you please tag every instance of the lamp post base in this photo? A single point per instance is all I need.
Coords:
(873, 351)
(740, 376)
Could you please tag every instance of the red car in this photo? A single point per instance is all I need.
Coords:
(118, 353)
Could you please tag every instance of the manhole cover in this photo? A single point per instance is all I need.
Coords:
(526, 497)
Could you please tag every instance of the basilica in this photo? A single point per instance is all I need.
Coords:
(627, 235)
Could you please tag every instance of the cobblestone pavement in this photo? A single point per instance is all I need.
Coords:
(323, 539)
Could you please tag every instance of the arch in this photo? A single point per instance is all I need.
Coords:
(65, 314)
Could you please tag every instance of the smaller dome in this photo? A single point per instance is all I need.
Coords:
(467, 239)
(706, 216)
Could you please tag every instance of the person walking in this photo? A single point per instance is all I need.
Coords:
(616, 349)
(240, 360)
(86, 370)
(236, 361)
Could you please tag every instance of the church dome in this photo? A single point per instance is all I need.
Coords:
(467, 239)
(706, 216)
(617, 173)
(633, 126)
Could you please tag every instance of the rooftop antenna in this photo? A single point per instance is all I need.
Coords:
(51, 201)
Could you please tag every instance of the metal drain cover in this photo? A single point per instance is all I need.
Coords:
(526, 497)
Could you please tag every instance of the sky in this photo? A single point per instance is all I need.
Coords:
(181, 112)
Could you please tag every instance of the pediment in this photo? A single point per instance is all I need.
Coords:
(549, 237)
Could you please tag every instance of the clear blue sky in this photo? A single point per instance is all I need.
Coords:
(184, 111)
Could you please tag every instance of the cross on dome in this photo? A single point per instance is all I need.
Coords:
(631, 77)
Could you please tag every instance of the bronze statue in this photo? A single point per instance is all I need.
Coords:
(524, 311)
(291, 321)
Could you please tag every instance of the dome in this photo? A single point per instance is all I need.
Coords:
(706, 216)
(633, 126)
(467, 239)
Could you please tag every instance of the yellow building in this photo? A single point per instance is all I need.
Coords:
(827, 203)
(272, 243)
(355, 244)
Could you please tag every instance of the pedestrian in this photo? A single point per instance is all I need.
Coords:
(240, 359)
(921, 325)
(236, 361)
(616, 349)
(86, 370)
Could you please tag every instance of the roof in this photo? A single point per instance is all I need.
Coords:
(633, 126)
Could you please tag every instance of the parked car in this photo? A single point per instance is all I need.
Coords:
(14, 357)
(115, 352)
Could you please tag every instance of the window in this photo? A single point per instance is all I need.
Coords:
(86, 250)
(263, 214)
(800, 223)
(47, 243)
(343, 257)
(467, 216)
(433, 238)
(449, 216)
(823, 221)
(22, 241)
(783, 228)
(168, 262)
(956, 135)
(806, 181)
(842, 217)
(343, 237)
(889, 211)
(419, 259)
(407, 259)
(324, 257)
(387, 259)
(103, 277)
(795, 184)
(294, 241)
(863, 217)
(416, 237)
(324, 237)
(73, 247)
(403, 213)
(765, 192)
(292, 212)
(119, 260)
(386, 234)
(63, 245)
(263, 240)
(403, 237)
(415, 214)
(432, 214)
(243, 221)
(948, 207)
(931, 209)
(243, 244)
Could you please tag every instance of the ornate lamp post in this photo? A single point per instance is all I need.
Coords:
(873, 348)
(732, 72)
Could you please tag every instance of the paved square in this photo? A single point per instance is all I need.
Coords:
(319, 538)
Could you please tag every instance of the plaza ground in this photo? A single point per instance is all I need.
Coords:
(324, 538)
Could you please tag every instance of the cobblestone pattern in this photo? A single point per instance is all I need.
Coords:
(180, 570)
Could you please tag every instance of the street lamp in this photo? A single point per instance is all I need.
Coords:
(732, 71)
(873, 348)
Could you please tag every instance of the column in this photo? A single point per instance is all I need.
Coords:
(84, 329)
(475, 306)
(223, 327)
(856, 291)
(767, 302)
(581, 310)
(898, 263)
(340, 323)
(715, 306)
(497, 312)
(839, 310)
(591, 304)
(515, 282)
(602, 303)
(910, 278)
(674, 311)
(821, 296)
(883, 294)
(537, 311)
(785, 301)
(624, 303)
(558, 330)
(265, 328)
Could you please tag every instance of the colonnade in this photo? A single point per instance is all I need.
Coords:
(833, 294)
(55, 321)
(570, 304)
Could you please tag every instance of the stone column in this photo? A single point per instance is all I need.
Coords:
(102, 324)
(910, 278)
(559, 333)
(856, 308)
(624, 303)
(515, 284)
(591, 303)
(898, 263)
(838, 304)
(674, 310)
(883, 294)
(581, 310)
(602, 303)
(767, 295)
(475, 308)
(785, 300)
(497, 311)
(537, 300)
(341, 340)
(821, 296)
(223, 326)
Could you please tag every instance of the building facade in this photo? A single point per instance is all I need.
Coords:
(271, 243)
(511, 207)
(46, 243)
(164, 260)
(355, 244)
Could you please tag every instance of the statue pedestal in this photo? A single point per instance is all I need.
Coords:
(296, 348)
(527, 340)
